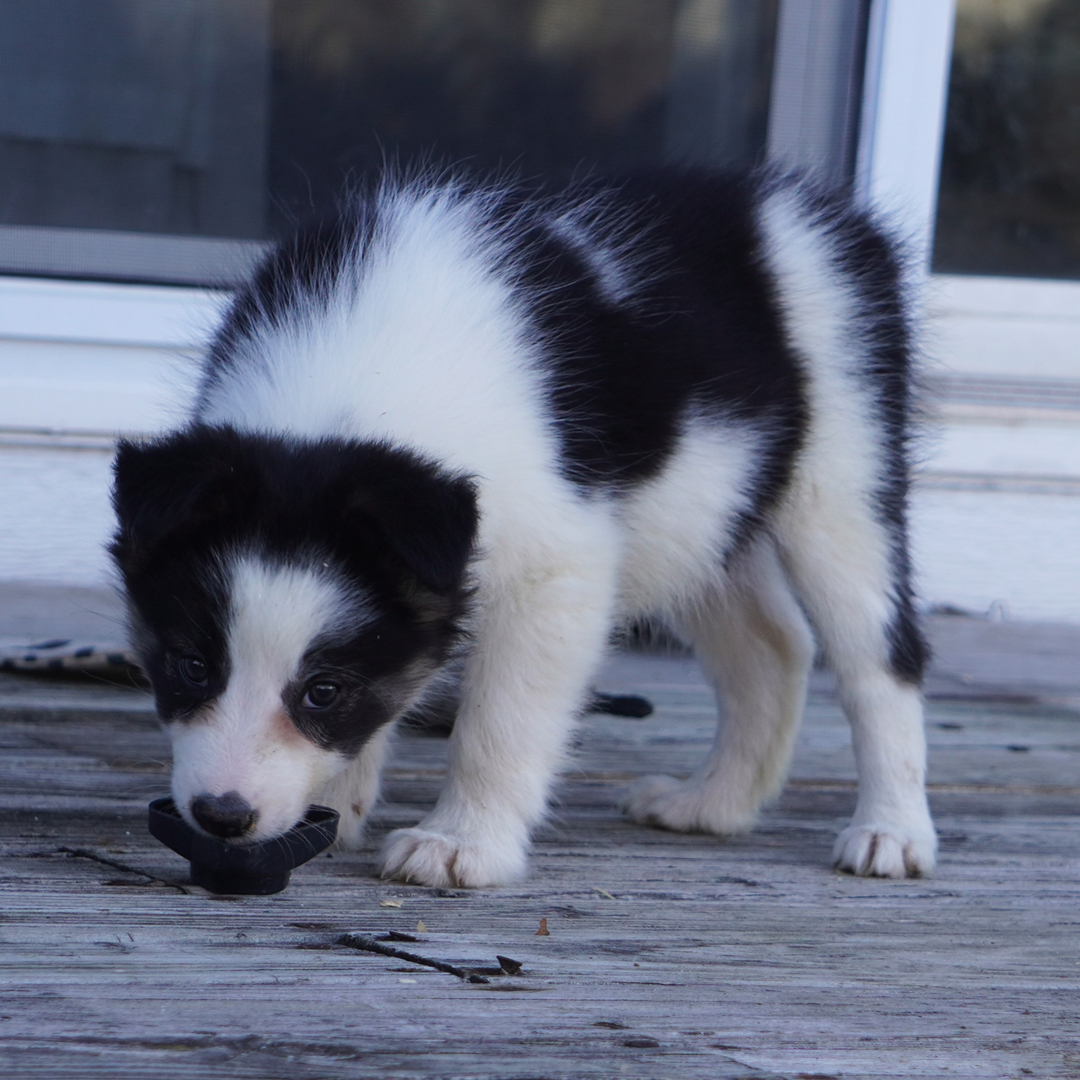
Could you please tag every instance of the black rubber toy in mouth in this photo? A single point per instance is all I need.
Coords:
(251, 869)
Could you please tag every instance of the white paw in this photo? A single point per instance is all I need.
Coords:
(885, 850)
(422, 857)
(685, 806)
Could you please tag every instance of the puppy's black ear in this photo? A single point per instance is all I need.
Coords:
(169, 485)
(427, 517)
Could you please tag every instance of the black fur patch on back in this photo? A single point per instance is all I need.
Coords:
(699, 333)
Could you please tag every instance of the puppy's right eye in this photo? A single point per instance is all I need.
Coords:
(321, 694)
(194, 670)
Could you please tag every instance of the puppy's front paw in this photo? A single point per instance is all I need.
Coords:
(884, 850)
(423, 857)
(685, 806)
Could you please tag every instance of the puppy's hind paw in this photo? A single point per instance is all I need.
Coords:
(422, 857)
(885, 851)
(684, 806)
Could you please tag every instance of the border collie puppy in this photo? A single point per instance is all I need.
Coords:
(461, 419)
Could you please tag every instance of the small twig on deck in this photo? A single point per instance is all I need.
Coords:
(508, 965)
(366, 943)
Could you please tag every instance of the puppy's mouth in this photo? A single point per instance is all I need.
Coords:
(247, 840)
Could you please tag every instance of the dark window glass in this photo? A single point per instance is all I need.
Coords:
(141, 115)
(1010, 180)
(540, 86)
(231, 118)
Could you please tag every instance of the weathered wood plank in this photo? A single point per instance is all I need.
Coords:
(741, 958)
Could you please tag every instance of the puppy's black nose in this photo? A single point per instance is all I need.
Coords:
(225, 815)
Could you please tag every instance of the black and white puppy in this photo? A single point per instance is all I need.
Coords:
(459, 418)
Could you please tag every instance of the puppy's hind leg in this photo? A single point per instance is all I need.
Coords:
(755, 646)
(851, 574)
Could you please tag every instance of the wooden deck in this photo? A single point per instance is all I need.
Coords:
(667, 955)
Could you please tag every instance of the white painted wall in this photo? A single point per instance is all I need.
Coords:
(80, 356)
(55, 517)
(996, 515)
(81, 363)
(1005, 327)
(1012, 550)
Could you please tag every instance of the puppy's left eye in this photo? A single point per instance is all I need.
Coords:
(321, 694)
(194, 670)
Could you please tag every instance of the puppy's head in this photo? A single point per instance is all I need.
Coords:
(286, 599)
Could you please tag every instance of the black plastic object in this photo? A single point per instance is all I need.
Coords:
(243, 869)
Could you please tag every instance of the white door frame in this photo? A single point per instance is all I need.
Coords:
(906, 82)
(980, 327)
